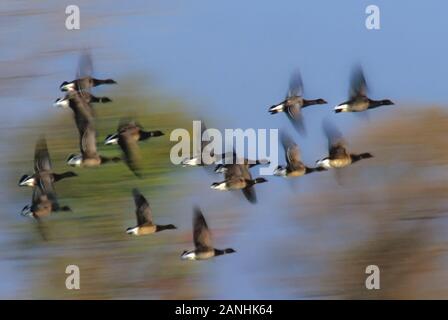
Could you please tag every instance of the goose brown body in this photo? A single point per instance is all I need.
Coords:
(145, 224)
(84, 83)
(129, 133)
(43, 204)
(202, 240)
(294, 102)
(338, 156)
(43, 173)
(89, 156)
(359, 101)
(294, 165)
(238, 177)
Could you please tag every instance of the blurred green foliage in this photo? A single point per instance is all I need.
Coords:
(113, 264)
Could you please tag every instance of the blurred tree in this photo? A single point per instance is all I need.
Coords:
(112, 264)
(389, 212)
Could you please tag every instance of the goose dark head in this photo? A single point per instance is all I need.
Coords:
(321, 101)
(260, 180)
(387, 102)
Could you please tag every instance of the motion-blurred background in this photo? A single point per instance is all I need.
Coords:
(227, 62)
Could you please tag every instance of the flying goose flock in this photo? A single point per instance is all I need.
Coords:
(236, 174)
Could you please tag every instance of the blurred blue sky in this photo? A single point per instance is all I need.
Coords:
(231, 60)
